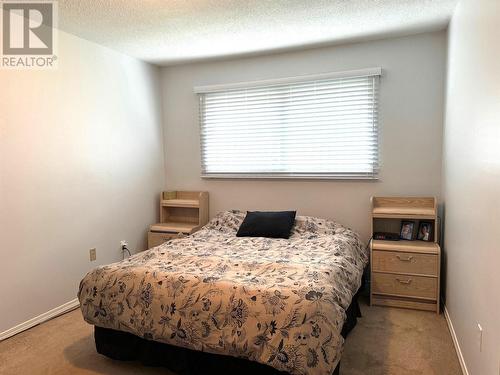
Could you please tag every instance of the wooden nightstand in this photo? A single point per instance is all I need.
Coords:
(181, 214)
(405, 273)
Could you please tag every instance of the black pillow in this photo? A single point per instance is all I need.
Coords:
(267, 224)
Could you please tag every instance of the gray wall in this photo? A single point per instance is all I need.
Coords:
(81, 166)
(471, 182)
(411, 118)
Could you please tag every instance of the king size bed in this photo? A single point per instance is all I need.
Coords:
(217, 303)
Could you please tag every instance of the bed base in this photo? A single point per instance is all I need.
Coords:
(124, 346)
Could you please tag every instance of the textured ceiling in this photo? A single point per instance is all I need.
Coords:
(173, 31)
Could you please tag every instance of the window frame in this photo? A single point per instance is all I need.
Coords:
(369, 72)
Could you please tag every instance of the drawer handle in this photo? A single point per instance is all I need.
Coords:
(404, 259)
(404, 281)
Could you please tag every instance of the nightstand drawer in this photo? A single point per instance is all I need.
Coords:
(395, 261)
(404, 285)
(157, 238)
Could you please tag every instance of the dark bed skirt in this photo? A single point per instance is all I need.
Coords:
(127, 347)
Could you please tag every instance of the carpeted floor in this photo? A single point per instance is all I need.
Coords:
(385, 341)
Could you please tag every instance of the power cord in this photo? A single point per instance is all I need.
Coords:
(125, 248)
(368, 243)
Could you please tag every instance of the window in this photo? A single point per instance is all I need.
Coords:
(322, 126)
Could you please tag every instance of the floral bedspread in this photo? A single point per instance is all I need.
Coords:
(275, 301)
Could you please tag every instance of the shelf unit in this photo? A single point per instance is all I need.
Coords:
(405, 273)
(181, 213)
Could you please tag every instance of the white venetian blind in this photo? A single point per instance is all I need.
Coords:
(310, 127)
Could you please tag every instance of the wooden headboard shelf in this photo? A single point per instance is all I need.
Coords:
(183, 207)
(404, 207)
(181, 213)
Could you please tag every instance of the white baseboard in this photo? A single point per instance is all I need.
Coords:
(68, 306)
(461, 359)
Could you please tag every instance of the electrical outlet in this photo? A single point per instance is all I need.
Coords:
(93, 254)
(123, 243)
(480, 330)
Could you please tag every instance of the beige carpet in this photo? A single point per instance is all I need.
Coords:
(399, 342)
(385, 341)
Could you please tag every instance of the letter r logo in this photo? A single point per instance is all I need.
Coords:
(27, 28)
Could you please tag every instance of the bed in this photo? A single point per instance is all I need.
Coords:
(279, 303)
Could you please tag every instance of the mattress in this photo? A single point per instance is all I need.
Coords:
(278, 302)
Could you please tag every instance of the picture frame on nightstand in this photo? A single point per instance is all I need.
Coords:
(425, 231)
(406, 232)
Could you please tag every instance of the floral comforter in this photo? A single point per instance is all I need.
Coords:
(275, 301)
